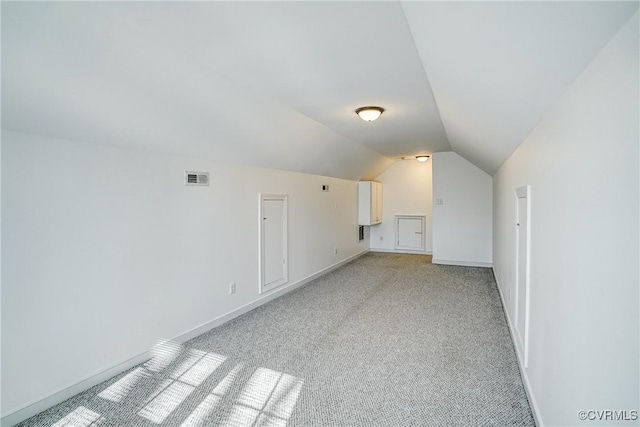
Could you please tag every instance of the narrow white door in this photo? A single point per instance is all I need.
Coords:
(410, 232)
(273, 231)
(522, 281)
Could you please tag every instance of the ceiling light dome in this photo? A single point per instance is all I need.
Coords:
(422, 158)
(369, 114)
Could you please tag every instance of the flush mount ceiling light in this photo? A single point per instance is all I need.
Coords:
(369, 114)
(422, 158)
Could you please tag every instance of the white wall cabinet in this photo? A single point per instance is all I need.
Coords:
(369, 203)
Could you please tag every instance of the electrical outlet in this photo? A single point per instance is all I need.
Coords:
(439, 201)
(509, 294)
(335, 251)
(232, 288)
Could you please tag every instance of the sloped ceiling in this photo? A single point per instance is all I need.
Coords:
(275, 84)
(496, 68)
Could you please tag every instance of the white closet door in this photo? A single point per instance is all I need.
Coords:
(410, 232)
(522, 275)
(273, 236)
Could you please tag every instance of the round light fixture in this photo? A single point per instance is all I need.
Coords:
(369, 114)
(422, 158)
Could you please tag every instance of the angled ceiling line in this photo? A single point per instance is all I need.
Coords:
(566, 90)
(426, 75)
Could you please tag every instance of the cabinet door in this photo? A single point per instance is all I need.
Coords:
(364, 203)
(376, 203)
(369, 203)
(379, 201)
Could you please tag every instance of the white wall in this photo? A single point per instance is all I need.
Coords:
(106, 252)
(462, 225)
(1, 275)
(582, 164)
(406, 190)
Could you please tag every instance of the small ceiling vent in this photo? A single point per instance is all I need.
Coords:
(196, 178)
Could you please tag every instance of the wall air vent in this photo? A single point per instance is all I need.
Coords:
(196, 178)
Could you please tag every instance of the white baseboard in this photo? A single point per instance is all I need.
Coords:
(525, 379)
(399, 251)
(36, 406)
(462, 263)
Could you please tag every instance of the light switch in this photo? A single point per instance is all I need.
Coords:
(439, 201)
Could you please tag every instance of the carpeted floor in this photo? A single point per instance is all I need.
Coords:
(387, 340)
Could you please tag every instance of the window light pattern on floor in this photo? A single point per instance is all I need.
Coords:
(207, 407)
(81, 417)
(196, 367)
(266, 398)
(121, 389)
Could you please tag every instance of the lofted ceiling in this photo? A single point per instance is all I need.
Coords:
(275, 84)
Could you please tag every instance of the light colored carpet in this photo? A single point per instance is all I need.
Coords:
(387, 340)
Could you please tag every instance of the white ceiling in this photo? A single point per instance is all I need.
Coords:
(276, 84)
(497, 67)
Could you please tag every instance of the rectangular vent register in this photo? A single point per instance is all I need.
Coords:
(196, 178)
